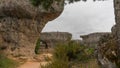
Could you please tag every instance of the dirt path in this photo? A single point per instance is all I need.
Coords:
(30, 65)
(36, 64)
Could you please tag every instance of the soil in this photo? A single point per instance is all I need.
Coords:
(41, 60)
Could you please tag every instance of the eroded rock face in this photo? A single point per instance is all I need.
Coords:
(105, 45)
(92, 39)
(21, 24)
(116, 29)
(53, 38)
(107, 51)
(116, 37)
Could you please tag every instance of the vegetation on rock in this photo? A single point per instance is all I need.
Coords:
(7, 63)
(37, 46)
(107, 48)
(47, 3)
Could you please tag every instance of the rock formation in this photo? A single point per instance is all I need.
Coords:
(105, 45)
(111, 53)
(21, 24)
(92, 39)
(53, 38)
(116, 29)
(107, 51)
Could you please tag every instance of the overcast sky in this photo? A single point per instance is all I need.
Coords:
(83, 18)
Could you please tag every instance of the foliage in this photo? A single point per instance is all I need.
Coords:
(66, 54)
(47, 3)
(6, 62)
(73, 51)
(57, 64)
(37, 46)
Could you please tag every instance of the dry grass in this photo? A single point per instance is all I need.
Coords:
(90, 64)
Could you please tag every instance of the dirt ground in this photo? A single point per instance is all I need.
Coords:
(42, 60)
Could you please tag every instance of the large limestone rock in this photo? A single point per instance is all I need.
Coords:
(107, 51)
(92, 39)
(105, 45)
(53, 38)
(21, 24)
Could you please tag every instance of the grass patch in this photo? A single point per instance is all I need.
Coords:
(7, 63)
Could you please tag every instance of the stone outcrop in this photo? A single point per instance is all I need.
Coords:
(53, 38)
(116, 29)
(105, 48)
(92, 39)
(107, 51)
(21, 24)
(114, 49)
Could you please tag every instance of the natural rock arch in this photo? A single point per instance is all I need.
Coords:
(21, 24)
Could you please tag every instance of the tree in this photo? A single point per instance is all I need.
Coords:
(47, 3)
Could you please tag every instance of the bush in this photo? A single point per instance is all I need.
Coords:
(45, 3)
(7, 63)
(66, 54)
(37, 46)
(73, 51)
(57, 64)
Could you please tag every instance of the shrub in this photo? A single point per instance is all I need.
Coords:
(45, 3)
(66, 54)
(37, 46)
(73, 51)
(57, 64)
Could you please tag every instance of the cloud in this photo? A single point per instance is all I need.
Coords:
(83, 18)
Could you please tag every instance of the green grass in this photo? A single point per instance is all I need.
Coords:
(92, 63)
(7, 63)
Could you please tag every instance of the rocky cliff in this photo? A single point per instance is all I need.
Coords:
(53, 38)
(21, 24)
(92, 39)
